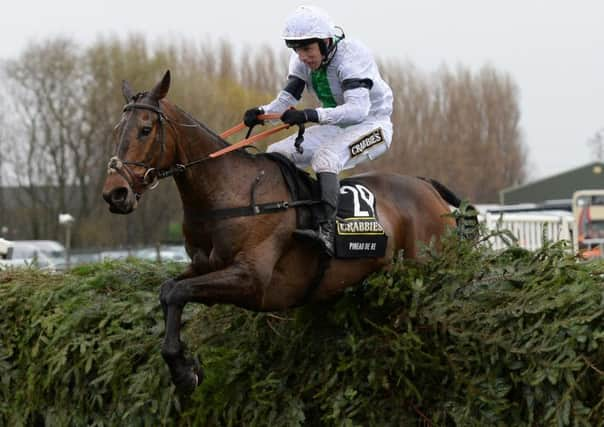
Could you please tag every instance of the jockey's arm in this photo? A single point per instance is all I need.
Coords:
(355, 108)
(287, 98)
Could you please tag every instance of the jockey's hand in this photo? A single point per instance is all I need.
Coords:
(250, 118)
(298, 117)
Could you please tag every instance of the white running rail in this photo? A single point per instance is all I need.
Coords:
(529, 229)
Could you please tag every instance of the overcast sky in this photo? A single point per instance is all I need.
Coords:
(554, 50)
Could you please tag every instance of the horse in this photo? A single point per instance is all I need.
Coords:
(250, 261)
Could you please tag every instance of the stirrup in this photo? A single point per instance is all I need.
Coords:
(317, 237)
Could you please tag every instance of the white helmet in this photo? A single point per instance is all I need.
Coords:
(307, 23)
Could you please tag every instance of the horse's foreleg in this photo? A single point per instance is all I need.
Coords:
(238, 285)
(192, 270)
(234, 285)
(186, 373)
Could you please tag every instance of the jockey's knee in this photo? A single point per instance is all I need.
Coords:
(272, 148)
(287, 149)
(283, 148)
(326, 160)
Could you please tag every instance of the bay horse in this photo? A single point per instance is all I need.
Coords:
(249, 261)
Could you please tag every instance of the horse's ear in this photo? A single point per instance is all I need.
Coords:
(161, 89)
(127, 91)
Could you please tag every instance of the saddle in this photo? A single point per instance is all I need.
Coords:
(358, 231)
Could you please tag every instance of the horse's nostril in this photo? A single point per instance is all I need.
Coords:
(117, 195)
(107, 197)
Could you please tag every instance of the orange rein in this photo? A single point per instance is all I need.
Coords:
(251, 139)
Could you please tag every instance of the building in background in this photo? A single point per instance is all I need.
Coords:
(559, 187)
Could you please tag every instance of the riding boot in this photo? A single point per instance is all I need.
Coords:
(325, 233)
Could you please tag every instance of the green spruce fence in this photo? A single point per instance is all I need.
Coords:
(470, 338)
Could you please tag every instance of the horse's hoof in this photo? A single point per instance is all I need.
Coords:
(197, 371)
(190, 380)
(187, 385)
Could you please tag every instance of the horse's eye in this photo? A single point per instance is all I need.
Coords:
(145, 130)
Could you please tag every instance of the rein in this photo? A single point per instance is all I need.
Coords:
(178, 168)
(152, 175)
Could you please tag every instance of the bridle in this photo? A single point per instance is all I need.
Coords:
(150, 178)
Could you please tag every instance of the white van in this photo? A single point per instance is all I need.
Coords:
(20, 254)
(53, 250)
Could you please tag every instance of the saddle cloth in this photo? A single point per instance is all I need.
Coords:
(359, 234)
(358, 231)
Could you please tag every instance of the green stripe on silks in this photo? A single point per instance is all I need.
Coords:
(322, 89)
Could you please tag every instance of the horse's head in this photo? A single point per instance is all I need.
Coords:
(143, 147)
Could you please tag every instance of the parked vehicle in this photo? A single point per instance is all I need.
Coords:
(174, 253)
(21, 254)
(588, 211)
(54, 251)
(6, 248)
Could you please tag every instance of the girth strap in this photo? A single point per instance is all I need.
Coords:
(254, 209)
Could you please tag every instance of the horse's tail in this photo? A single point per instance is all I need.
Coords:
(444, 192)
(467, 219)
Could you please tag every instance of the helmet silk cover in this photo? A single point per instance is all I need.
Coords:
(308, 22)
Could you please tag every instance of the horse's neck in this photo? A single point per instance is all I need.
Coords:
(212, 182)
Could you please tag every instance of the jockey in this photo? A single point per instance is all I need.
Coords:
(354, 120)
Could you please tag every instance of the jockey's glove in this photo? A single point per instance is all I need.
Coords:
(298, 117)
(250, 117)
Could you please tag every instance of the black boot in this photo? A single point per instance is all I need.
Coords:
(325, 234)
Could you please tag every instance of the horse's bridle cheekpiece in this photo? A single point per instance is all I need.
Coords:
(151, 177)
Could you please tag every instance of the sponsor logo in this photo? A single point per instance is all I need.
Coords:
(360, 227)
(365, 142)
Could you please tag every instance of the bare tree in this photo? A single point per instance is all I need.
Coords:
(48, 86)
(459, 127)
(3, 149)
(596, 143)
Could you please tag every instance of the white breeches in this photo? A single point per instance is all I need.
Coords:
(329, 148)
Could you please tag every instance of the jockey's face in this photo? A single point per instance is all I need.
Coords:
(310, 55)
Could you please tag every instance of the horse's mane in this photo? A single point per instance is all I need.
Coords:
(143, 96)
(217, 138)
